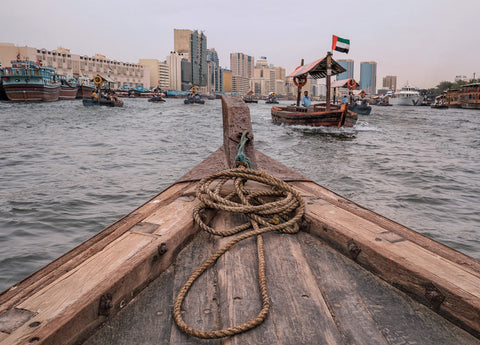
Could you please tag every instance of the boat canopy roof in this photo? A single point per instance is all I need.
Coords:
(105, 78)
(344, 83)
(318, 69)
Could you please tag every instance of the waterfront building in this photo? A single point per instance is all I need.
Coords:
(227, 80)
(268, 78)
(64, 62)
(390, 82)
(368, 77)
(194, 44)
(242, 64)
(159, 73)
(240, 84)
(174, 62)
(215, 77)
(349, 66)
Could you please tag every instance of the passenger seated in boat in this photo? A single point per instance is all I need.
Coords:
(306, 101)
(345, 99)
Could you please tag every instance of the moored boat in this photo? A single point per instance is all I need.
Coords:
(85, 88)
(327, 114)
(29, 81)
(316, 268)
(469, 96)
(406, 96)
(69, 87)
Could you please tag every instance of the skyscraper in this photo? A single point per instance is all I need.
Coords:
(215, 76)
(368, 77)
(348, 65)
(242, 65)
(194, 44)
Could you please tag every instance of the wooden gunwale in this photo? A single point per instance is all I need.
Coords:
(64, 302)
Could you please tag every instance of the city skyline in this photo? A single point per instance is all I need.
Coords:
(407, 41)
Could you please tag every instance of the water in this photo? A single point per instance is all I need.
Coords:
(67, 171)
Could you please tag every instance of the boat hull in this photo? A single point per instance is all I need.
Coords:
(316, 119)
(32, 92)
(68, 92)
(405, 100)
(361, 109)
(84, 91)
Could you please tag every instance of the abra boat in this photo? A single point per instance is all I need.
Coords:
(406, 96)
(103, 94)
(193, 97)
(29, 81)
(69, 87)
(249, 98)
(322, 268)
(326, 114)
(85, 88)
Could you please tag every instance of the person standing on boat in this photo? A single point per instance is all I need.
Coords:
(345, 99)
(306, 101)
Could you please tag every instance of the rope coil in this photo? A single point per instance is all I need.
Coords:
(277, 208)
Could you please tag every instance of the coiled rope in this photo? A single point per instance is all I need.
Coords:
(279, 208)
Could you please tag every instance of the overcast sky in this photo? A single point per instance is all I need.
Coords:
(422, 42)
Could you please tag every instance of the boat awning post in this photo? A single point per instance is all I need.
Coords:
(328, 76)
(236, 120)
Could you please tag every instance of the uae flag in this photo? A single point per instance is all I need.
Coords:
(340, 44)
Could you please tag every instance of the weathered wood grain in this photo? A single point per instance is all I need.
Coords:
(200, 307)
(68, 307)
(368, 310)
(448, 286)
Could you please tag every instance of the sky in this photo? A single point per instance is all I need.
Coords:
(422, 42)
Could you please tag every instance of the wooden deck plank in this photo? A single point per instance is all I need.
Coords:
(70, 260)
(200, 305)
(368, 310)
(146, 320)
(69, 306)
(299, 312)
(239, 294)
(403, 263)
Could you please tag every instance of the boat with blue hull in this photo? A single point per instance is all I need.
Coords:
(29, 81)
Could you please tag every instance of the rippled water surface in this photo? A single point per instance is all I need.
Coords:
(67, 171)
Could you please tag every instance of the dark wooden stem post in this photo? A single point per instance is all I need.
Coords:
(329, 73)
(299, 92)
(236, 120)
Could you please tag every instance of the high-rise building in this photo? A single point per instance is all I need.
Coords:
(349, 66)
(214, 74)
(174, 62)
(368, 77)
(390, 82)
(242, 65)
(194, 44)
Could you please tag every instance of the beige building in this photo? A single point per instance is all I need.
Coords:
(122, 73)
(174, 62)
(390, 82)
(159, 73)
(240, 84)
(227, 81)
(182, 41)
(242, 64)
(267, 79)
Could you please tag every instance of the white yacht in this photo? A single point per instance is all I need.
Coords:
(406, 96)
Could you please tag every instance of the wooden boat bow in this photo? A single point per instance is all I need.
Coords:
(323, 281)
